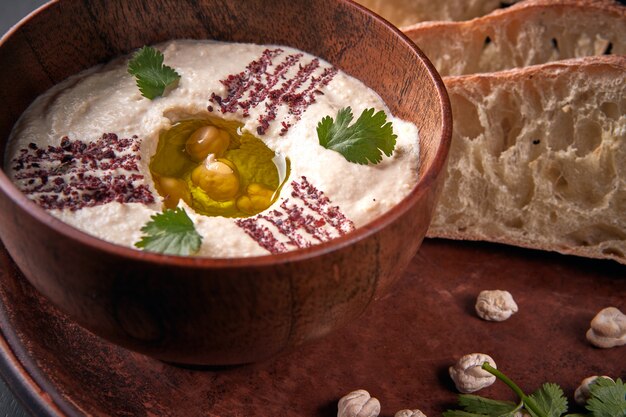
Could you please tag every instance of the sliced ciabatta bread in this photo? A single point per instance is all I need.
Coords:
(528, 33)
(538, 158)
(408, 12)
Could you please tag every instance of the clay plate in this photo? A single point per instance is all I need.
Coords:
(219, 311)
(399, 350)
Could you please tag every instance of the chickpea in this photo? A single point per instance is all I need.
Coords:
(173, 190)
(218, 178)
(207, 140)
(257, 199)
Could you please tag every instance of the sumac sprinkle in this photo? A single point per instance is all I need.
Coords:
(274, 80)
(306, 218)
(79, 174)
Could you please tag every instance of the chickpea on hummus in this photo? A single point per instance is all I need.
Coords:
(235, 144)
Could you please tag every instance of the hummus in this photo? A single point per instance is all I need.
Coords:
(100, 113)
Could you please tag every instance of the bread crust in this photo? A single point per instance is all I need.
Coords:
(529, 33)
(406, 12)
(538, 158)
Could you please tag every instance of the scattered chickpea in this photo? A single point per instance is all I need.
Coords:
(174, 190)
(218, 178)
(257, 199)
(205, 141)
(468, 375)
(409, 413)
(583, 392)
(358, 403)
(608, 328)
(496, 305)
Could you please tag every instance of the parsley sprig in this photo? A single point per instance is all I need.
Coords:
(608, 399)
(361, 142)
(171, 232)
(152, 76)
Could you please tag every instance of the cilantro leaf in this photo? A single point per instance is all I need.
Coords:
(476, 406)
(460, 413)
(548, 399)
(152, 76)
(361, 142)
(171, 232)
(608, 398)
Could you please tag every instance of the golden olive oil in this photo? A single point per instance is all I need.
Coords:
(242, 181)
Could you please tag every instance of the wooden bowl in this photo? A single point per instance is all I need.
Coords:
(218, 311)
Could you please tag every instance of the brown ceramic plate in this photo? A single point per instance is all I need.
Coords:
(60, 369)
(198, 310)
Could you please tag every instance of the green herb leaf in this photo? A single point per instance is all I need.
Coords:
(608, 398)
(549, 400)
(460, 413)
(363, 141)
(171, 232)
(476, 406)
(152, 76)
(481, 405)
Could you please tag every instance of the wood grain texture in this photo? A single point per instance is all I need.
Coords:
(192, 310)
(399, 350)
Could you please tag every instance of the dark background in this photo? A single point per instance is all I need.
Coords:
(11, 12)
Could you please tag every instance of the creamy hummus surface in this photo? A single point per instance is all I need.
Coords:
(324, 196)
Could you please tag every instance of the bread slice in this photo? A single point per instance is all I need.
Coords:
(538, 158)
(407, 12)
(528, 33)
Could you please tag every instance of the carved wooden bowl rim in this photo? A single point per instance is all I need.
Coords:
(426, 180)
